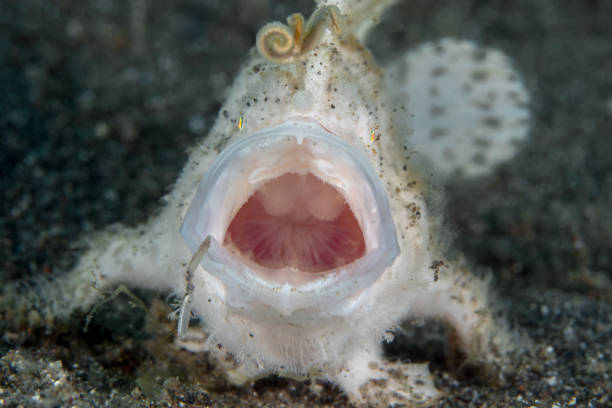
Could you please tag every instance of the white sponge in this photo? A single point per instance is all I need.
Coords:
(470, 108)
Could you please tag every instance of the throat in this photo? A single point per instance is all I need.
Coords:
(296, 222)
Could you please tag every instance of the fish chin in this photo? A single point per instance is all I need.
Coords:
(299, 223)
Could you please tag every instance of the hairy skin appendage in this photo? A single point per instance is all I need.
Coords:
(300, 232)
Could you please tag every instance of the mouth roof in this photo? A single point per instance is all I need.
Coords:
(292, 212)
(296, 222)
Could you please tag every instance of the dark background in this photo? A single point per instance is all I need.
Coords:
(100, 100)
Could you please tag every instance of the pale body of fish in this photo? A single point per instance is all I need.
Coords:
(281, 284)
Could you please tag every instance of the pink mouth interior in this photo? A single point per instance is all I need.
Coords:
(296, 221)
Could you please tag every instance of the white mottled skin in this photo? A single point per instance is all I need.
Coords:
(349, 99)
(471, 110)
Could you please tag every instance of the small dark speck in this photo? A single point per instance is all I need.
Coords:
(437, 133)
(438, 71)
(481, 142)
(251, 335)
(437, 111)
(225, 114)
(513, 95)
(483, 106)
(479, 159)
(480, 75)
(333, 106)
(479, 55)
(491, 121)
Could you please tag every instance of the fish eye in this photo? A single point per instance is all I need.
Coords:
(295, 214)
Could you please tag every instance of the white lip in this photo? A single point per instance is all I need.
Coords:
(254, 159)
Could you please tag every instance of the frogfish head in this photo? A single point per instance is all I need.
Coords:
(296, 204)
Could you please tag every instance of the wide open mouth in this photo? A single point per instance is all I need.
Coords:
(295, 207)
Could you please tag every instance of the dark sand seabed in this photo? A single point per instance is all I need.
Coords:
(99, 101)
